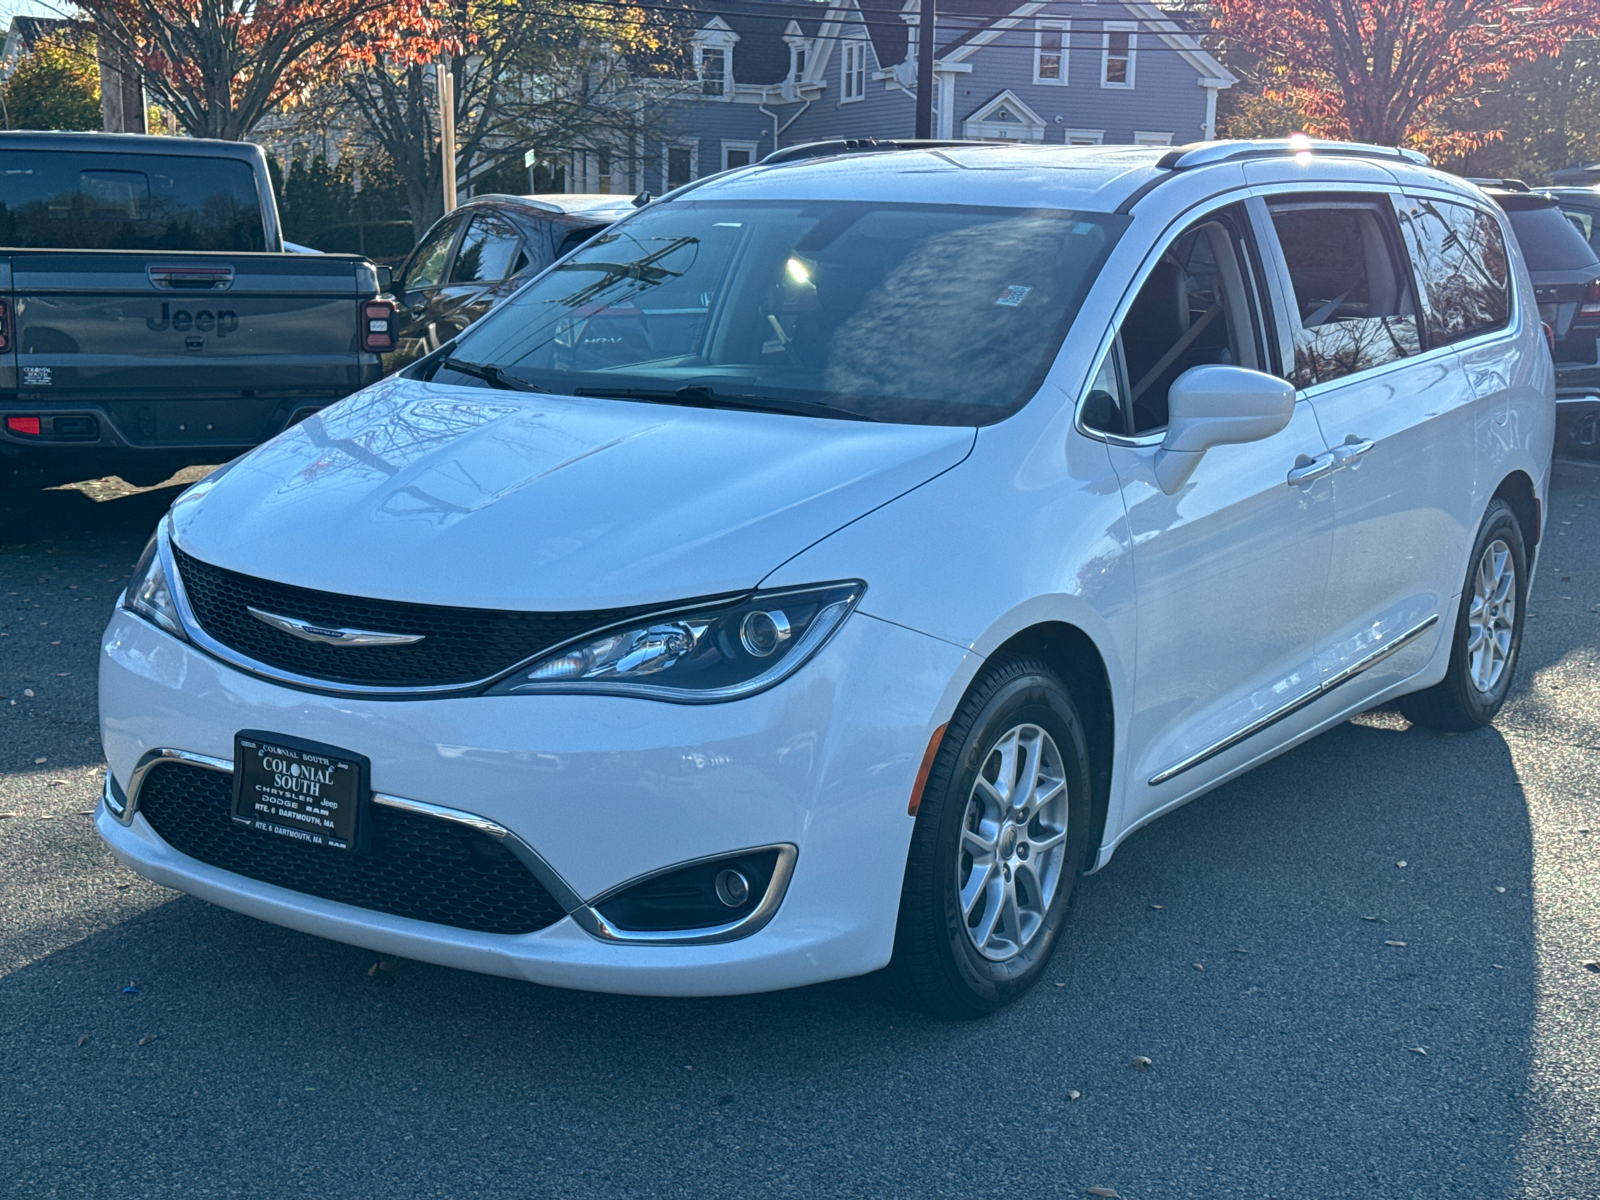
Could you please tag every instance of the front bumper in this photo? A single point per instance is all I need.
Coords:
(603, 789)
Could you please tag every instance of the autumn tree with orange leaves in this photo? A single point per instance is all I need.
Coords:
(219, 66)
(1383, 70)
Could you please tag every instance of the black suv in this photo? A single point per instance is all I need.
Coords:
(1566, 281)
(475, 254)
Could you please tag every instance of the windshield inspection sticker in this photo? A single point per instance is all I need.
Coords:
(35, 376)
(1013, 295)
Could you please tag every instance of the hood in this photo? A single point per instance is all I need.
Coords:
(464, 496)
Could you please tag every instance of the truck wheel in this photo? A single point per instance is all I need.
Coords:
(1488, 632)
(1000, 840)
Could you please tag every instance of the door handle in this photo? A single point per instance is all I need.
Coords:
(1353, 448)
(1308, 470)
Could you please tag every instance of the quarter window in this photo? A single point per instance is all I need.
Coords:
(1461, 258)
(1197, 306)
(1352, 296)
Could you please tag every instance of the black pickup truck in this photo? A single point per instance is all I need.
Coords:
(149, 314)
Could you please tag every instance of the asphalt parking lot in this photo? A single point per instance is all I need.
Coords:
(153, 1045)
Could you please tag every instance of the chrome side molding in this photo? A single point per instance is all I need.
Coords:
(1266, 720)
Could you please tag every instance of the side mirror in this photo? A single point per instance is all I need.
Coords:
(1218, 405)
(385, 280)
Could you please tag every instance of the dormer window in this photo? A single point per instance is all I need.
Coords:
(799, 51)
(713, 71)
(853, 71)
(713, 59)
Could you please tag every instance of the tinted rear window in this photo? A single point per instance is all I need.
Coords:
(1549, 241)
(95, 201)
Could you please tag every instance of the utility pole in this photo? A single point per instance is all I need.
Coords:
(447, 130)
(925, 69)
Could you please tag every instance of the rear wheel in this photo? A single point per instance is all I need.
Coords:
(1488, 631)
(1001, 837)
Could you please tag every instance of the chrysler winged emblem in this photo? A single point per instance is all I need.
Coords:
(307, 631)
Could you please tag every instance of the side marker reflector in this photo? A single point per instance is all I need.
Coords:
(927, 766)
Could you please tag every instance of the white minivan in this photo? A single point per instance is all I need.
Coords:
(830, 563)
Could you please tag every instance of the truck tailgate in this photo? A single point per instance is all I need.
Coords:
(131, 325)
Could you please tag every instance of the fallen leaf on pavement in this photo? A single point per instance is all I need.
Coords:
(1155, 906)
(124, 886)
(147, 1039)
(27, 691)
(1401, 863)
(1418, 1050)
(84, 1040)
(1591, 965)
(1501, 890)
(1141, 1063)
(1110, 1192)
(1394, 943)
(1072, 1095)
(1497, 966)
(39, 762)
(1372, 918)
(1199, 966)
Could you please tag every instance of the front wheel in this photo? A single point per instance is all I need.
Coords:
(1488, 632)
(1000, 840)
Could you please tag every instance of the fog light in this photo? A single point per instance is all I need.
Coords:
(733, 889)
(761, 633)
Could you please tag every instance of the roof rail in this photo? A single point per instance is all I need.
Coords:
(1510, 185)
(861, 146)
(1204, 154)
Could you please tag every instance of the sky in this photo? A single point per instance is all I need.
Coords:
(32, 8)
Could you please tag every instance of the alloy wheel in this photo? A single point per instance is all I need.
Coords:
(1491, 620)
(1013, 843)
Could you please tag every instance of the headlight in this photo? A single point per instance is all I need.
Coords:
(148, 593)
(696, 655)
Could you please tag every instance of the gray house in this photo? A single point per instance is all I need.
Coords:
(768, 74)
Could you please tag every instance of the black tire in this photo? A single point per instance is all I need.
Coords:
(1457, 703)
(937, 966)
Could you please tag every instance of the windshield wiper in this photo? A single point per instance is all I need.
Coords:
(699, 395)
(491, 375)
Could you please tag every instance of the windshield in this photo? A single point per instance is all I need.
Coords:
(924, 314)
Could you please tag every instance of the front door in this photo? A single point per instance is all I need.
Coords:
(1399, 414)
(491, 252)
(418, 288)
(1231, 569)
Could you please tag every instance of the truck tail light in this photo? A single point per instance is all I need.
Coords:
(5, 326)
(24, 425)
(378, 326)
(1591, 300)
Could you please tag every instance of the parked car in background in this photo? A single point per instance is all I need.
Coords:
(825, 566)
(150, 314)
(1555, 239)
(1578, 415)
(482, 251)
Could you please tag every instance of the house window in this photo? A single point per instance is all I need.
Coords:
(854, 68)
(1050, 52)
(1145, 138)
(1084, 137)
(713, 71)
(797, 62)
(679, 166)
(1116, 54)
(737, 154)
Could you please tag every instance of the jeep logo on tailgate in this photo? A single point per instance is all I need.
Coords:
(224, 322)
